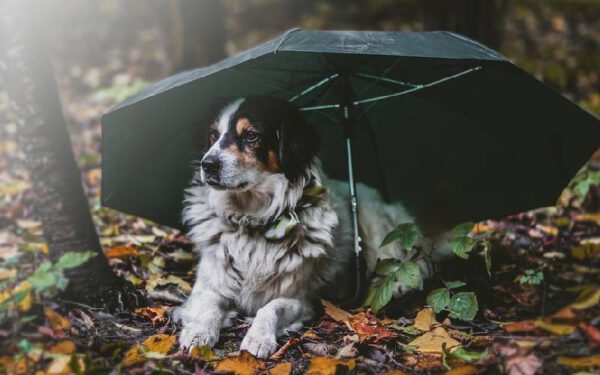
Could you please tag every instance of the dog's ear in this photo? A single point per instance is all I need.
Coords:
(298, 142)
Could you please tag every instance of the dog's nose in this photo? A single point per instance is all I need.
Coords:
(211, 165)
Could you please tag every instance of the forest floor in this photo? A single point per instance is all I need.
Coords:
(538, 299)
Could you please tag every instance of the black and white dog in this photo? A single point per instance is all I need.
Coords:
(272, 231)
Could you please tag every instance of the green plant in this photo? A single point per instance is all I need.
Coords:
(464, 240)
(461, 305)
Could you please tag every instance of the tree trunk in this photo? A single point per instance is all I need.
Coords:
(480, 20)
(60, 200)
(198, 32)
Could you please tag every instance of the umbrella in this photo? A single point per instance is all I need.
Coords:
(442, 123)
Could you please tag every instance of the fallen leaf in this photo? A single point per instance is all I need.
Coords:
(592, 333)
(7, 273)
(394, 372)
(155, 314)
(589, 297)
(329, 366)
(13, 188)
(157, 344)
(463, 370)
(523, 365)
(432, 341)
(284, 348)
(564, 313)
(579, 362)
(120, 252)
(56, 321)
(586, 251)
(368, 327)
(425, 319)
(283, 368)
(336, 313)
(63, 347)
(593, 218)
(548, 229)
(523, 326)
(204, 353)
(59, 365)
(557, 329)
(244, 364)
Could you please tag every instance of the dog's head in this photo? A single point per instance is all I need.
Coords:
(253, 137)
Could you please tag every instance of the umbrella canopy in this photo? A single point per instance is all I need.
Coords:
(447, 126)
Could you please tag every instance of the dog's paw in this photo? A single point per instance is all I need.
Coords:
(258, 344)
(197, 334)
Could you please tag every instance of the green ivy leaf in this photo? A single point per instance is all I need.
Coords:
(463, 306)
(73, 259)
(384, 293)
(386, 266)
(407, 233)
(463, 230)
(462, 246)
(409, 274)
(438, 299)
(454, 284)
(467, 355)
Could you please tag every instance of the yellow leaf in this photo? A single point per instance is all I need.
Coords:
(586, 251)
(63, 347)
(337, 314)
(394, 372)
(284, 368)
(557, 329)
(463, 370)
(425, 319)
(589, 297)
(244, 364)
(120, 252)
(432, 341)
(549, 230)
(204, 353)
(153, 345)
(13, 188)
(59, 365)
(594, 218)
(56, 321)
(25, 304)
(579, 362)
(328, 366)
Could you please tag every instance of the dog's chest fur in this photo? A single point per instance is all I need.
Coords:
(243, 265)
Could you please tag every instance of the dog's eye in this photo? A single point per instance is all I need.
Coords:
(251, 137)
(213, 136)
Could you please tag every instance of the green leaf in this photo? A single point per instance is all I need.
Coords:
(43, 277)
(438, 299)
(384, 293)
(454, 284)
(463, 306)
(467, 355)
(409, 274)
(462, 246)
(73, 259)
(25, 346)
(531, 277)
(487, 256)
(407, 233)
(462, 230)
(386, 266)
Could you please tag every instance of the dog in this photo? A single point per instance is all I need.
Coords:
(273, 232)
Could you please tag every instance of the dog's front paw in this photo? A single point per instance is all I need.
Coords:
(259, 344)
(198, 334)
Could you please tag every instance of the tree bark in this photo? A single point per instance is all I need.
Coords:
(60, 200)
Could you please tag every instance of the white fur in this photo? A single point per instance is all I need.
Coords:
(241, 271)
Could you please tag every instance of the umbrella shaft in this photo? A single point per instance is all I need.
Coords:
(352, 183)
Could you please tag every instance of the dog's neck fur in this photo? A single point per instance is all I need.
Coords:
(264, 202)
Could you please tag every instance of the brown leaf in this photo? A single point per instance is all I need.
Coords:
(155, 314)
(432, 341)
(56, 321)
(281, 352)
(593, 218)
(337, 313)
(463, 370)
(592, 333)
(579, 362)
(425, 319)
(283, 368)
(329, 366)
(369, 327)
(523, 326)
(525, 365)
(564, 313)
(120, 252)
(244, 364)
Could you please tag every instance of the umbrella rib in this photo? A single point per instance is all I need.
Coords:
(314, 87)
(390, 80)
(437, 82)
